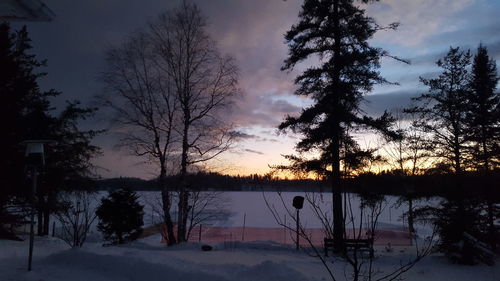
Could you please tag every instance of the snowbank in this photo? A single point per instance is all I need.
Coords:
(150, 261)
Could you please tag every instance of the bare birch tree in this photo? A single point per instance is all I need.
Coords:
(407, 155)
(204, 82)
(140, 95)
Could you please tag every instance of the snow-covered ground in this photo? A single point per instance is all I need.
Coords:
(148, 260)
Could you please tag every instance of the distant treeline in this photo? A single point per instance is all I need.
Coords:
(390, 184)
(216, 181)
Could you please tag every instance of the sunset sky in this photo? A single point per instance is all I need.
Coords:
(252, 31)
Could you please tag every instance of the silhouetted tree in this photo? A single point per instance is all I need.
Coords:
(140, 93)
(68, 160)
(120, 217)
(22, 104)
(204, 83)
(27, 114)
(483, 121)
(483, 117)
(442, 112)
(336, 32)
(407, 155)
(443, 115)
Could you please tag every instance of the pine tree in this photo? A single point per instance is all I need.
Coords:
(22, 113)
(120, 217)
(68, 160)
(26, 113)
(442, 110)
(443, 115)
(336, 32)
(483, 119)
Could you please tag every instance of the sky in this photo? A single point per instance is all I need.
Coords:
(252, 32)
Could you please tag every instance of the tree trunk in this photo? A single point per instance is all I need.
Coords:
(183, 196)
(165, 198)
(40, 206)
(485, 149)
(410, 216)
(49, 206)
(40, 222)
(338, 222)
(46, 221)
(491, 224)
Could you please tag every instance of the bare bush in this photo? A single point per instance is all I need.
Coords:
(76, 217)
(361, 266)
(205, 208)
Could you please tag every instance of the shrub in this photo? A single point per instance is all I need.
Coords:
(120, 217)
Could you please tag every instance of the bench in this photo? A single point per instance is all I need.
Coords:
(356, 244)
(360, 244)
(328, 245)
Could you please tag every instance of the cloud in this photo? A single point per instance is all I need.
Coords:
(254, 151)
(262, 110)
(477, 34)
(375, 105)
(242, 136)
(418, 18)
(494, 50)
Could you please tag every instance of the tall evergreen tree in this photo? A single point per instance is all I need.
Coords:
(26, 113)
(337, 33)
(483, 120)
(442, 111)
(483, 117)
(22, 113)
(68, 160)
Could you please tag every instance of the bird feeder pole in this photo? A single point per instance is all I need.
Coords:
(35, 158)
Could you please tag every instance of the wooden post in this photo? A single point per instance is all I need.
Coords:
(199, 234)
(298, 224)
(244, 222)
(32, 223)
(284, 230)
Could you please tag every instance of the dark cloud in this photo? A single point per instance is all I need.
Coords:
(375, 105)
(270, 140)
(494, 50)
(263, 110)
(474, 35)
(254, 151)
(242, 136)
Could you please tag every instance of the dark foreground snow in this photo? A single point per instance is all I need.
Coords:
(150, 261)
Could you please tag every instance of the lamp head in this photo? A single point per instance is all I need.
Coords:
(298, 202)
(34, 152)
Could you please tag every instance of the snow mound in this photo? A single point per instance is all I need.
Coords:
(79, 265)
(269, 270)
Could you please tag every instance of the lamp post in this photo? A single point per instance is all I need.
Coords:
(298, 203)
(34, 155)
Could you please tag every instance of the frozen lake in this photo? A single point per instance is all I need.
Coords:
(236, 209)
